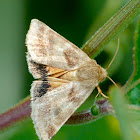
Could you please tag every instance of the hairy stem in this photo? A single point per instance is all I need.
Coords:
(17, 113)
(136, 57)
(112, 28)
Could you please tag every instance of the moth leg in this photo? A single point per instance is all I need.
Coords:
(100, 92)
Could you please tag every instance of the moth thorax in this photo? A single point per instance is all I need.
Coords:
(94, 73)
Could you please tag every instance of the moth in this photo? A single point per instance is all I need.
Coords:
(65, 77)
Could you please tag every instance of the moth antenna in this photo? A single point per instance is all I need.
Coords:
(112, 81)
(114, 55)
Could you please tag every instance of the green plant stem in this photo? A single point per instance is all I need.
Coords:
(136, 57)
(134, 84)
(112, 28)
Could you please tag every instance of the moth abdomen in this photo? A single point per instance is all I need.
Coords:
(91, 72)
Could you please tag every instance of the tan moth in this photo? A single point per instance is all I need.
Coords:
(65, 77)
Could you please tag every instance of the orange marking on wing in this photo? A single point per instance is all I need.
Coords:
(53, 70)
(56, 82)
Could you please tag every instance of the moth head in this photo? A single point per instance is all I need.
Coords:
(102, 74)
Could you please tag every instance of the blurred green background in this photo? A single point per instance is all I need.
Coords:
(76, 20)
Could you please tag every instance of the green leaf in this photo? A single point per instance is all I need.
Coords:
(134, 93)
(135, 112)
(126, 120)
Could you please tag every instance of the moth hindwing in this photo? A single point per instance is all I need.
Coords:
(65, 77)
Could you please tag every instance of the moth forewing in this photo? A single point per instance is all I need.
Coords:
(49, 48)
(66, 77)
(51, 111)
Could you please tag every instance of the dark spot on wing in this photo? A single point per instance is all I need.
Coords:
(57, 111)
(40, 88)
(42, 69)
(71, 92)
(39, 69)
(44, 86)
(71, 57)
